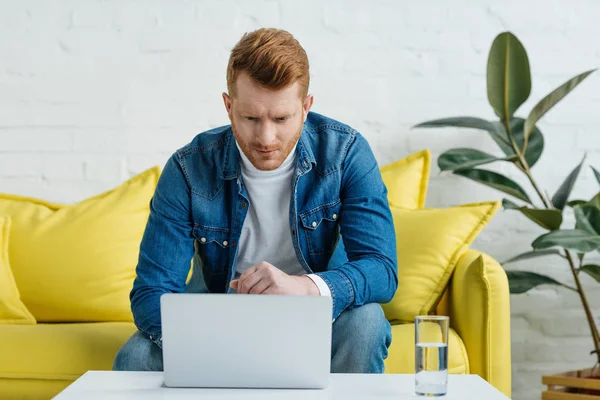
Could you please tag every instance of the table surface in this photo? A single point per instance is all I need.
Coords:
(149, 386)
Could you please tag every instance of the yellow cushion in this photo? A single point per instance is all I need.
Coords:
(77, 262)
(429, 243)
(406, 180)
(12, 309)
(401, 354)
(60, 352)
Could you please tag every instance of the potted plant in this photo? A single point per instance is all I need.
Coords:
(521, 144)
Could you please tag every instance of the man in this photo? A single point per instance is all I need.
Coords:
(259, 205)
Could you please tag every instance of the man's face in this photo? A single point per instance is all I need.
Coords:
(266, 123)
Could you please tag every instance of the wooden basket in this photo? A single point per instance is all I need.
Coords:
(572, 385)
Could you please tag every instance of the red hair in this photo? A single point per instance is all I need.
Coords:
(271, 57)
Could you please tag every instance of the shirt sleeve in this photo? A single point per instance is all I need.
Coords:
(367, 231)
(321, 285)
(166, 250)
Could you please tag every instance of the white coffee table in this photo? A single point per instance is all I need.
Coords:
(149, 386)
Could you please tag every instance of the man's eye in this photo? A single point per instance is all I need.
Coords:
(281, 119)
(251, 118)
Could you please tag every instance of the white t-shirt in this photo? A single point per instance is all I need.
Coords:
(266, 234)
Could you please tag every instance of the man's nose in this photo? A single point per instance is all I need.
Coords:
(266, 134)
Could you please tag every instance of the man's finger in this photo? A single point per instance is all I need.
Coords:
(241, 280)
(260, 286)
(234, 284)
(248, 272)
(249, 281)
(271, 289)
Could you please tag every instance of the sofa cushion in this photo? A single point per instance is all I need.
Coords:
(31, 389)
(406, 180)
(12, 309)
(429, 243)
(76, 263)
(60, 351)
(401, 355)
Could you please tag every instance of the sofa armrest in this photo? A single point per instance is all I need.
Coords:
(479, 310)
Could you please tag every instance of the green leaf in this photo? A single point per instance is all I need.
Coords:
(533, 254)
(508, 76)
(536, 140)
(596, 174)
(588, 218)
(459, 122)
(465, 158)
(592, 270)
(551, 100)
(574, 203)
(495, 180)
(595, 201)
(573, 239)
(497, 132)
(559, 200)
(509, 205)
(546, 218)
(522, 281)
(468, 122)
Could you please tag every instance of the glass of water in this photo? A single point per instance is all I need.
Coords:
(431, 355)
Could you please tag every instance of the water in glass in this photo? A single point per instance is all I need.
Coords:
(431, 368)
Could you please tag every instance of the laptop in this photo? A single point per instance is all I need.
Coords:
(246, 341)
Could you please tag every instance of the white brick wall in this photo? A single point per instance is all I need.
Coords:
(92, 92)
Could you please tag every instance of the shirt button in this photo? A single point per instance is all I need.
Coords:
(203, 240)
(314, 224)
(225, 243)
(334, 216)
(305, 164)
(243, 205)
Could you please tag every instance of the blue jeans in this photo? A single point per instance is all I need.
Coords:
(360, 341)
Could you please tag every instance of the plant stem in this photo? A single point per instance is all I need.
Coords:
(524, 166)
(500, 138)
(569, 287)
(586, 306)
(574, 269)
(535, 186)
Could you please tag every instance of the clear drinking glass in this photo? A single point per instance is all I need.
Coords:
(431, 355)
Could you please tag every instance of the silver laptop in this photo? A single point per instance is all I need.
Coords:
(246, 341)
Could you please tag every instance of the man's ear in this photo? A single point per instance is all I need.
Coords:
(227, 102)
(308, 102)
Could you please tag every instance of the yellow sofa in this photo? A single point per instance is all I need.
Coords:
(80, 325)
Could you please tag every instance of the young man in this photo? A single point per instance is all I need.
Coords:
(259, 205)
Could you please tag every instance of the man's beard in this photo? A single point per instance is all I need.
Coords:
(256, 161)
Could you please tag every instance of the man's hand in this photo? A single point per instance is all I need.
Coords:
(264, 278)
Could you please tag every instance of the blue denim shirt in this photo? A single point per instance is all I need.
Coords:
(200, 204)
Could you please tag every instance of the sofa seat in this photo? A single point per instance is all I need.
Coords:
(38, 361)
(401, 354)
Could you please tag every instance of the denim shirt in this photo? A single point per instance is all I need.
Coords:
(200, 204)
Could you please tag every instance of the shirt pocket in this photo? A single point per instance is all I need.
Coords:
(320, 227)
(213, 246)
